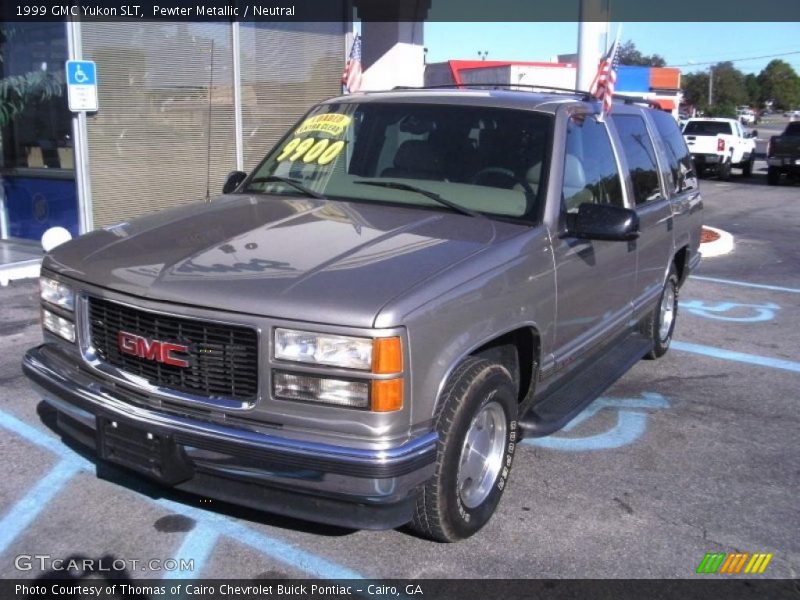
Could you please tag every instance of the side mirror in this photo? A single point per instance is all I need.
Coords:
(754, 133)
(604, 222)
(233, 181)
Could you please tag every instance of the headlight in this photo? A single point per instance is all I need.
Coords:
(323, 349)
(59, 325)
(56, 293)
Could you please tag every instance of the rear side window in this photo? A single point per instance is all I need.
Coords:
(707, 128)
(682, 175)
(640, 155)
(590, 170)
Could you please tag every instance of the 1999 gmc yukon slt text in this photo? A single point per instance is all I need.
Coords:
(361, 330)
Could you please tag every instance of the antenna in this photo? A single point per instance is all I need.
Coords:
(208, 137)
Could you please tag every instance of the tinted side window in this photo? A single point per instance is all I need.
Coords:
(682, 173)
(641, 155)
(590, 170)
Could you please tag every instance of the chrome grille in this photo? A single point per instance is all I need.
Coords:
(223, 359)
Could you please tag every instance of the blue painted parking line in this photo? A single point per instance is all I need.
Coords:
(72, 462)
(197, 546)
(760, 286)
(722, 353)
(22, 514)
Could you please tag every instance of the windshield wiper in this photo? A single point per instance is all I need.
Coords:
(396, 185)
(290, 182)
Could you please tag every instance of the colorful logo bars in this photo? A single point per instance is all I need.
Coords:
(734, 563)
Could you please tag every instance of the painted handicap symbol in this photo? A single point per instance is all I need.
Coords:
(631, 425)
(731, 311)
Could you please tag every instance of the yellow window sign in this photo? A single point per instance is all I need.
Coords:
(311, 150)
(331, 123)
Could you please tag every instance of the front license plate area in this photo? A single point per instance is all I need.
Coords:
(152, 454)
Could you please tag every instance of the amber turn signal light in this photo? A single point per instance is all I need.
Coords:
(387, 395)
(387, 356)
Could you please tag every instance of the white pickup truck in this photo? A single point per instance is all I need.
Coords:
(720, 144)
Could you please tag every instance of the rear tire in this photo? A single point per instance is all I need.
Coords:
(724, 171)
(773, 176)
(477, 427)
(747, 167)
(660, 324)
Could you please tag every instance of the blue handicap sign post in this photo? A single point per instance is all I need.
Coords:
(82, 85)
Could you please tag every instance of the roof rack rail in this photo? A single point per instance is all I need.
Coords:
(635, 99)
(584, 94)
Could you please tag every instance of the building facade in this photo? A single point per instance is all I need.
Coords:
(180, 106)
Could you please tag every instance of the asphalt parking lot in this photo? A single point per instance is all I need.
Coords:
(694, 453)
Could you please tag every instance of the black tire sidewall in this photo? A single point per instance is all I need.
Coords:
(495, 385)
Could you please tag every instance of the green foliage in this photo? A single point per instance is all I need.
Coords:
(629, 55)
(19, 91)
(725, 109)
(780, 83)
(729, 90)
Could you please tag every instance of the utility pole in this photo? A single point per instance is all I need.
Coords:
(711, 85)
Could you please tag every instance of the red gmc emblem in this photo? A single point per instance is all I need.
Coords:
(163, 352)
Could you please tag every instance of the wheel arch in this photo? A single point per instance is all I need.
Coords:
(518, 349)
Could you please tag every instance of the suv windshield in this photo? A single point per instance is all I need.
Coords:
(485, 160)
(707, 128)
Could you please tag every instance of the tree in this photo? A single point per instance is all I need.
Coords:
(729, 90)
(628, 54)
(695, 88)
(753, 89)
(780, 83)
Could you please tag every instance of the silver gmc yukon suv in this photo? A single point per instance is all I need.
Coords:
(360, 331)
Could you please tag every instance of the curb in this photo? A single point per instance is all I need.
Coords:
(719, 247)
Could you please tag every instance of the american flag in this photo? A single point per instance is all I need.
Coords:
(351, 78)
(603, 84)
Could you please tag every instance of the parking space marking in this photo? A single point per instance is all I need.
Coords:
(198, 545)
(759, 312)
(760, 286)
(631, 425)
(73, 462)
(722, 353)
(34, 502)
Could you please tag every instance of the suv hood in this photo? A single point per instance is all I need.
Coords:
(293, 258)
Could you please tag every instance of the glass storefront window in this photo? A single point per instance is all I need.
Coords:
(37, 162)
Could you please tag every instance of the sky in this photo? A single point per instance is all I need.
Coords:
(681, 44)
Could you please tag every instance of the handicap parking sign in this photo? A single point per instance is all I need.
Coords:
(82, 85)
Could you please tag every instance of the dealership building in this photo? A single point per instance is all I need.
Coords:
(180, 106)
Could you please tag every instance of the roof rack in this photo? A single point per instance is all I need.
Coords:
(635, 99)
(586, 96)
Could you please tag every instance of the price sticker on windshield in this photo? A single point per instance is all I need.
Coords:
(331, 123)
(311, 150)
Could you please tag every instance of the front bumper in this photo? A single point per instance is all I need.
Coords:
(351, 487)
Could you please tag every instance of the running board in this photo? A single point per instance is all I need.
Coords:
(559, 406)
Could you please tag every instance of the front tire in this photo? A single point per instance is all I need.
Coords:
(660, 324)
(773, 176)
(477, 427)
